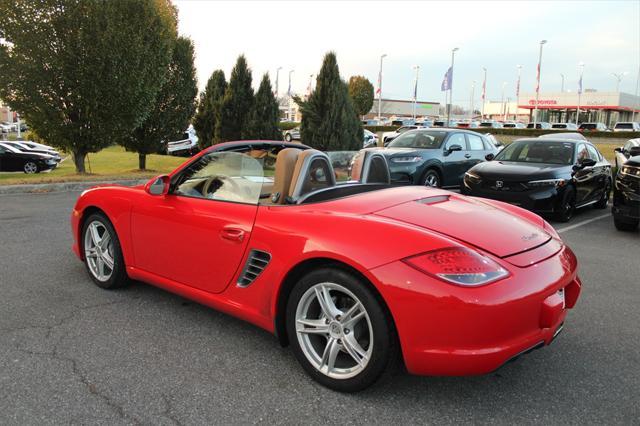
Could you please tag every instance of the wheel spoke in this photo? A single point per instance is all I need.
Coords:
(329, 355)
(352, 315)
(91, 252)
(312, 326)
(353, 348)
(108, 260)
(104, 242)
(100, 266)
(326, 302)
(95, 236)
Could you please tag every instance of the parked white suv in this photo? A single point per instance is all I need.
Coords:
(626, 126)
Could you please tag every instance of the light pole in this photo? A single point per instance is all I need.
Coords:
(562, 84)
(619, 79)
(310, 87)
(472, 99)
(535, 113)
(504, 107)
(380, 89)
(289, 94)
(19, 133)
(633, 117)
(453, 53)
(484, 90)
(277, 78)
(415, 91)
(581, 65)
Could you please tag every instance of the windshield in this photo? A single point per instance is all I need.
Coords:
(624, 126)
(423, 139)
(588, 126)
(559, 126)
(538, 152)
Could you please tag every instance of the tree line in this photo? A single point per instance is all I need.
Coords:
(87, 75)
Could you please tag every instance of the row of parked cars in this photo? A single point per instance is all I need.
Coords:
(8, 127)
(553, 175)
(27, 156)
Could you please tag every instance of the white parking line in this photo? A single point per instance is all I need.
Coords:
(584, 222)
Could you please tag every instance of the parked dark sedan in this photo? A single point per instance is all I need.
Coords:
(435, 157)
(548, 176)
(14, 160)
(626, 193)
(29, 148)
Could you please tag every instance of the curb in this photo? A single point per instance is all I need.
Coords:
(64, 186)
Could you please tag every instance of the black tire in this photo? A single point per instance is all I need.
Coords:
(604, 200)
(626, 225)
(288, 137)
(30, 167)
(119, 277)
(432, 179)
(384, 355)
(567, 205)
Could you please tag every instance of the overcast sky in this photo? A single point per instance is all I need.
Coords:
(605, 35)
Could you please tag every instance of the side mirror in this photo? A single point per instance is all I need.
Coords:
(618, 149)
(585, 162)
(489, 157)
(453, 148)
(158, 185)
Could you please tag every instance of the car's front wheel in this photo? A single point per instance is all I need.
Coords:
(567, 205)
(30, 167)
(432, 179)
(102, 253)
(339, 331)
(604, 199)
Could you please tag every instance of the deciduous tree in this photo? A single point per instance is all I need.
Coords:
(361, 92)
(84, 74)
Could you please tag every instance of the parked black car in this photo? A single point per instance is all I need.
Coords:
(14, 160)
(548, 176)
(24, 147)
(626, 193)
(435, 157)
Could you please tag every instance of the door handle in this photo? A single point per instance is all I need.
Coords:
(232, 234)
(467, 156)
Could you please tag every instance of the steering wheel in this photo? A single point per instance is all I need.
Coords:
(233, 185)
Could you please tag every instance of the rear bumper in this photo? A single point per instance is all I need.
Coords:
(447, 330)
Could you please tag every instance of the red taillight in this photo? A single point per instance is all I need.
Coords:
(458, 265)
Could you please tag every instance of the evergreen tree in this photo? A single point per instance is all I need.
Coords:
(329, 121)
(361, 92)
(173, 108)
(204, 121)
(83, 74)
(236, 104)
(264, 116)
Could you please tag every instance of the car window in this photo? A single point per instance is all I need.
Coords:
(2, 150)
(456, 139)
(223, 176)
(424, 139)
(593, 153)
(545, 152)
(582, 152)
(475, 143)
(316, 178)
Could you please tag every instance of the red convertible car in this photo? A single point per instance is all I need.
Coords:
(354, 275)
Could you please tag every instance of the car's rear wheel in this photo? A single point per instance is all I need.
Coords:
(626, 225)
(567, 205)
(102, 253)
(339, 331)
(604, 199)
(432, 179)
(30, 167)
(288, 137)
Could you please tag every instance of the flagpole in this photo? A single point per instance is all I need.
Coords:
(453, 52)
(633, 117)
(415, 91)
(535, 114)
(473, 88)
(518, 87)
(380, 89)
(581, 65)
(289, 93)
(277, 78)
(484, 90)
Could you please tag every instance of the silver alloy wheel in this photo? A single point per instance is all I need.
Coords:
(431, 180)
(334, 330)
(30, 167)
(98, 250)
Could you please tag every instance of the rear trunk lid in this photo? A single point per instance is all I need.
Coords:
(469, 220)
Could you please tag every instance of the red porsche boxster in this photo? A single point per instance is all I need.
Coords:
(354, 275)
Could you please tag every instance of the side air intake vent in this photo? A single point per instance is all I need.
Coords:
(256, 262)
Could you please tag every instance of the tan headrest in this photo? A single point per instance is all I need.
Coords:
(285, 164)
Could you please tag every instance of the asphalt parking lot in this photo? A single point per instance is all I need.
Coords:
(73, 353)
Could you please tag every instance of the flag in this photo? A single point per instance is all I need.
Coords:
(518, 88)
(580, 85)
(415, 89)
(446, 82)
(538, 79)
(484, 89)
(289, 88)
(379, 90)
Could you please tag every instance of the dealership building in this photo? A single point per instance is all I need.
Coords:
(404, 108)
(602, 107)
